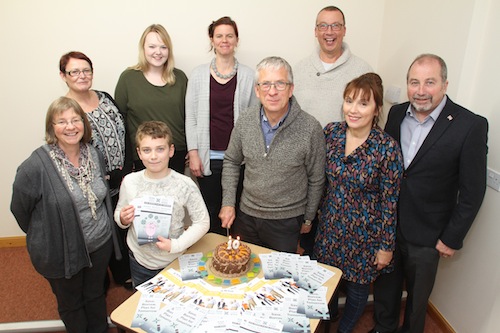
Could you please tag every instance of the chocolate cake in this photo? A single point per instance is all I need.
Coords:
(231, 262)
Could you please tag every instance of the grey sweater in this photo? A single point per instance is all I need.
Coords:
(285, 182)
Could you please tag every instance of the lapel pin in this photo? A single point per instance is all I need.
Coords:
(450, 118)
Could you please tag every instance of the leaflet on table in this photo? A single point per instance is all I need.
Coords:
(188, 264)
(198, 306)
(315, 278)
(153, 215)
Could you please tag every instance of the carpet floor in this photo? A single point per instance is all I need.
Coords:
(26, 296)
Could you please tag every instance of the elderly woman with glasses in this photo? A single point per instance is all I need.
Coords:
(108, 135)
(217, 92)
(61, 200)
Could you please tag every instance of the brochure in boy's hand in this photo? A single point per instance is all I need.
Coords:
(153, 215)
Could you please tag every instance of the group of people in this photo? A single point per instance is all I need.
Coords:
(281, 158)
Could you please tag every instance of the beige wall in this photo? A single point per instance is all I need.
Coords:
(386, 33)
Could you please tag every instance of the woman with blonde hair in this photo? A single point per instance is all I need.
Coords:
(154, 89)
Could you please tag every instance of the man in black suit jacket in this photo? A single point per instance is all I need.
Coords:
(444, 149)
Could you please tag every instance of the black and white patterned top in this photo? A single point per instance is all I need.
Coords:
(108, 133)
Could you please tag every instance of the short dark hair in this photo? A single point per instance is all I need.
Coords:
(332, 9)
(225, 20)
(63, 62)
(420, 58)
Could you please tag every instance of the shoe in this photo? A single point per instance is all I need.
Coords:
(128, 285)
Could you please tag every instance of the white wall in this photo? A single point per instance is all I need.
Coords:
(465, 34)
(386, 33)
(34, 34)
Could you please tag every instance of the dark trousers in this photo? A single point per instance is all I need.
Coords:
(417, 267)
(120, 269)
(177, 162)
(356, 299)
(81, 300)
(211, 190)
(280, 235)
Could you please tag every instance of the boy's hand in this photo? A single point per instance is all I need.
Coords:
(164, 244)
(127, 215)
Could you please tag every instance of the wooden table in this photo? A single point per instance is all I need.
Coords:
(122, 316)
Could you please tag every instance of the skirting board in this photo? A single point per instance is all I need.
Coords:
(438, 318)
(13, 241)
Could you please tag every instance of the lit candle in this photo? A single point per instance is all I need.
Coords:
(236, 243)
(229, 243)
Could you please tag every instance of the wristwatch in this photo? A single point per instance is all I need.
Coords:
(307, 222)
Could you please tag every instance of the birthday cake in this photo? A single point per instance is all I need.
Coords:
(230, 262)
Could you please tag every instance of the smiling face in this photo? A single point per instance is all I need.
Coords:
(155, 50)
(155, 155)
(275, 102)
(425, 86)
(224, 40)
(360, 110)
(81, 82)
(68, 129)
(330, 42)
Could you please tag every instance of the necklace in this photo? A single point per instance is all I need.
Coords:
(225, 76)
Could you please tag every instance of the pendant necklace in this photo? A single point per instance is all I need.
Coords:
(225, 76)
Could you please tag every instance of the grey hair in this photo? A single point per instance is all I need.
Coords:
(425, 56)
(274, 63)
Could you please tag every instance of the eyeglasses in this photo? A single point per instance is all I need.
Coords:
(76, 72)
(334, 26)
(64, 123)
(279, 85)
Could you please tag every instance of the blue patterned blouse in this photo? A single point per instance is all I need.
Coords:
(357, 215)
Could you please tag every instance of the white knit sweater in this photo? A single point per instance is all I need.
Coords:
(187, 198)
(319, 91)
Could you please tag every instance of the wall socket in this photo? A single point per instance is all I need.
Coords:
(493, 179)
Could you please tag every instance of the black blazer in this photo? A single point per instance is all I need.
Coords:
(443, 188)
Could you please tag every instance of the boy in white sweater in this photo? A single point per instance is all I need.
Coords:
(155, 148)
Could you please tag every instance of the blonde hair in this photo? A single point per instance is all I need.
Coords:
(168, 68)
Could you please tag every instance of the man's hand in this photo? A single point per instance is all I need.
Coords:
(383, 259)
(305, 229)
(227, 215)
(444, 251)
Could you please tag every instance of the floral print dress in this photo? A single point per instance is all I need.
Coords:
(357, 214)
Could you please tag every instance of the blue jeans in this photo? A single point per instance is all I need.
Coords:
(356, 299)
(140, 273)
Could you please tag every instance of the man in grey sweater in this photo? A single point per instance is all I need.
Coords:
(283, 150)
